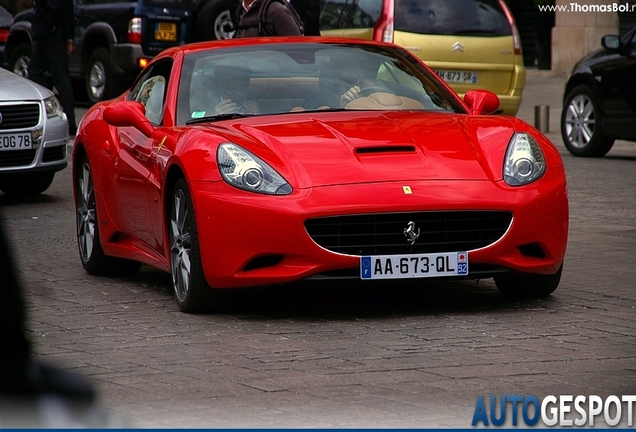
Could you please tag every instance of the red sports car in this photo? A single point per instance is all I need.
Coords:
(266, 161)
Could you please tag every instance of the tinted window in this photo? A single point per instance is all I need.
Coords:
(337, 14)
(451, 17)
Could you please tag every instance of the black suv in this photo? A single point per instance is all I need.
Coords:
(114, 40)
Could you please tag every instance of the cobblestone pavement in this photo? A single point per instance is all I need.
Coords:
(397, 355)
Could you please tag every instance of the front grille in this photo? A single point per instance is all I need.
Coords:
(19, 116)
(16, 158)
(383, 234)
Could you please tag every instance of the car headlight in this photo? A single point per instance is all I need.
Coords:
(244, 170)
(524, 161)
(53, 107)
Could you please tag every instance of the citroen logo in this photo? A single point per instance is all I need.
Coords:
(457, 47)
(410, 234)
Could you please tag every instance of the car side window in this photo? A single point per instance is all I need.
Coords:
(150, 90)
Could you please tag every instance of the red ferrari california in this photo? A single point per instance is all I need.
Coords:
(255, 162)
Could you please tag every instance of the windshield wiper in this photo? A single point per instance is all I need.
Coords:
(216, 117)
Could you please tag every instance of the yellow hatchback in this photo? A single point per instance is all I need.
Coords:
(471, 44)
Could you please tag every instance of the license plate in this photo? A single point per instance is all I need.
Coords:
(453, 76)
(165, 31)
(15, 141)
(414, 266)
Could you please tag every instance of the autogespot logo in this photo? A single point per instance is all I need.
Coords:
(563, 410)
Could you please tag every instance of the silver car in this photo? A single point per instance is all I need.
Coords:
(33, 136)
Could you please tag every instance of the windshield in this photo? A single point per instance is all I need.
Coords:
(282, 78)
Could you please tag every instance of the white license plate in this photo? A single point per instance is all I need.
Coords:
(413, 266)
(453, 76)
(15, 141)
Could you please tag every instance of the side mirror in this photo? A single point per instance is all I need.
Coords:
(611, 42)
(481, 101)
(128, 113)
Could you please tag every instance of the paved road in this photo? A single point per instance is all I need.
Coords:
(340, 356)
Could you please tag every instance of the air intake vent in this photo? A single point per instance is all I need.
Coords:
(386, 149)
(17, 158)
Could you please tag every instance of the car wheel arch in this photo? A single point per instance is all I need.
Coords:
(578, 79)
(81, 152)
(97, 37)
(174, 174)
(15, 39)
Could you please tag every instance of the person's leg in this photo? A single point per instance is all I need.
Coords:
(58, 66)
(38, 64)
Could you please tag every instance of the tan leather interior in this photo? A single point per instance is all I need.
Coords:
(383, 101)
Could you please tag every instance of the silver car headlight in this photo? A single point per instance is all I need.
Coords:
(524, 161)
(53, 107)
(244, 170)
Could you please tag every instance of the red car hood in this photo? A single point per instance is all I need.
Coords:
(361, 147)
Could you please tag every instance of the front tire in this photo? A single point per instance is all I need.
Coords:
(100, 82)
(582, 125)
(191, 290)
(526, 285)
(26, 184)
(94, 261)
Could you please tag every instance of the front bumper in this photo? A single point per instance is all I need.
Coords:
(248, 239)
(49, 152)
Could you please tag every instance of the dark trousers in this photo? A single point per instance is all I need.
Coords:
(50, 54)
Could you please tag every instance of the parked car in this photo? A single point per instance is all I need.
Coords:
(33, 136)
(114, 40)
(599, 101)
(294, 177)
(471, 44)
(6, 18)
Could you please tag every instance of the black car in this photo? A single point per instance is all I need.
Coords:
(599, 103)
(114, 40)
